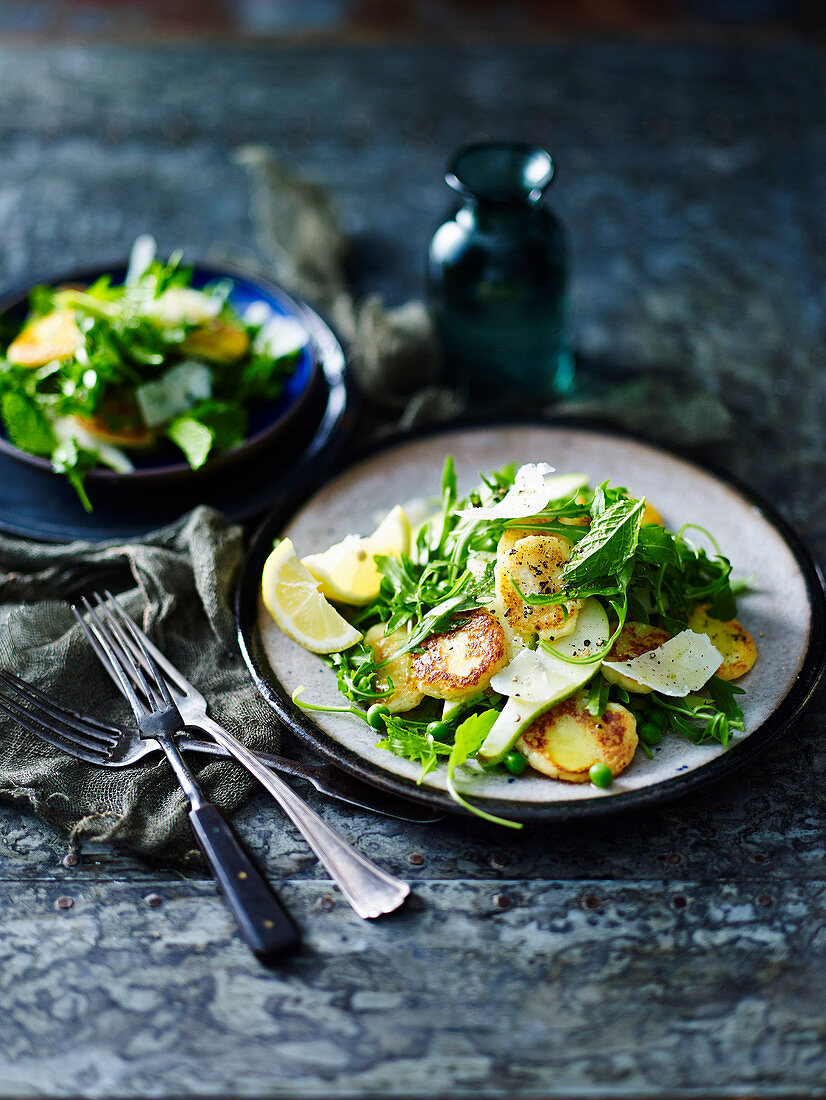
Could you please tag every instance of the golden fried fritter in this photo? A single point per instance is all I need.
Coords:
(736, 644)
(633, 640)
(406, 694)
(534, 562)
(566, 741)
(460, 662)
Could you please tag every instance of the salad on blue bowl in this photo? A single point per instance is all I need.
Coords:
(148, 372)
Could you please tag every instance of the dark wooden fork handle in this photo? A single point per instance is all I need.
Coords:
(263, 922)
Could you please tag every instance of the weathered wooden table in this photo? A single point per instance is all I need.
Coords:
(676, 952)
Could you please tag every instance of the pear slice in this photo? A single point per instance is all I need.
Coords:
(537, 680)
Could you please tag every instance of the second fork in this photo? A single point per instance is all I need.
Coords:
(262, 920)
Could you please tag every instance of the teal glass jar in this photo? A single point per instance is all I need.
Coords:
(497, 279)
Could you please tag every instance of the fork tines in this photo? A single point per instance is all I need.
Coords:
(139, 678)
(60, 726)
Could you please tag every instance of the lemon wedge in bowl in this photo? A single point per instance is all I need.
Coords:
(292, 597)
(347, 572)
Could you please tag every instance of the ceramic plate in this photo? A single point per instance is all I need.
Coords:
(784, 610)
(267, 420)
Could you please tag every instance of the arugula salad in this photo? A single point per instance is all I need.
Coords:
(98, 372)
(539, 625)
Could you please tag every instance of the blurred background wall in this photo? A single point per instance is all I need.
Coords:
(388, 20)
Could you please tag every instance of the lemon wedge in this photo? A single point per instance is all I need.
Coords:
(347, 572)
(292, 597)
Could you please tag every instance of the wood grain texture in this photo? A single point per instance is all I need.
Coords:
(726, 982)
(675, 952)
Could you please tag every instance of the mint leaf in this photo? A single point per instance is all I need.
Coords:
(227, 420)
(610, 542)
(657, 546)
(194, 438)
(26, 426)
(262, 377)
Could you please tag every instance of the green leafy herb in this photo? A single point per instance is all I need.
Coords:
(609, 543)
(413, 742)
(598, 693)
(355, 671)
(26, 425)
(701, 720)
(72, 461)
(469, 738)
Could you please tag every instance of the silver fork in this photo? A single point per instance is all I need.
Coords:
(125, 747)
(261, 918)
(370, 890)
(66, 729)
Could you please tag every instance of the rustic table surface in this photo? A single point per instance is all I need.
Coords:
(676, 952)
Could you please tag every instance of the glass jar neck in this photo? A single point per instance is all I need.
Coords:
(501, 175)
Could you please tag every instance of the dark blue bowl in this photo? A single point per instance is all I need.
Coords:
(267, 420)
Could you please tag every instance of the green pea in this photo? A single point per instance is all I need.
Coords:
(650, 732)
(660, 718)
(601, 775)
(376, 715)
(437, 730)
(515, 762)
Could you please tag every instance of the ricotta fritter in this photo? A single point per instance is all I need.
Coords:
(633, 640)
(534, 562)
(459, 663)
(566, 741)
(406, 694)
(736, 644)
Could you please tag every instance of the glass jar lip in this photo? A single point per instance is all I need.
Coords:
(500, 171)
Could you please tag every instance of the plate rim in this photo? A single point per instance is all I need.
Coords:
(179, 471)
(675, 787)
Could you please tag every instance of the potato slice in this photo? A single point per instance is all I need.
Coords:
(534, 562)
(633, 640)
(460, 662)
(736, 644)
(53, 336)
(406, 693)
(217, 342)
(566, 741)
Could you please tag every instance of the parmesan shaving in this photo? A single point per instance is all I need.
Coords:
(534, 676)
(528, 496)
(679, 666)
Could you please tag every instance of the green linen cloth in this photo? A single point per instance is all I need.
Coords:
(177, 584)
